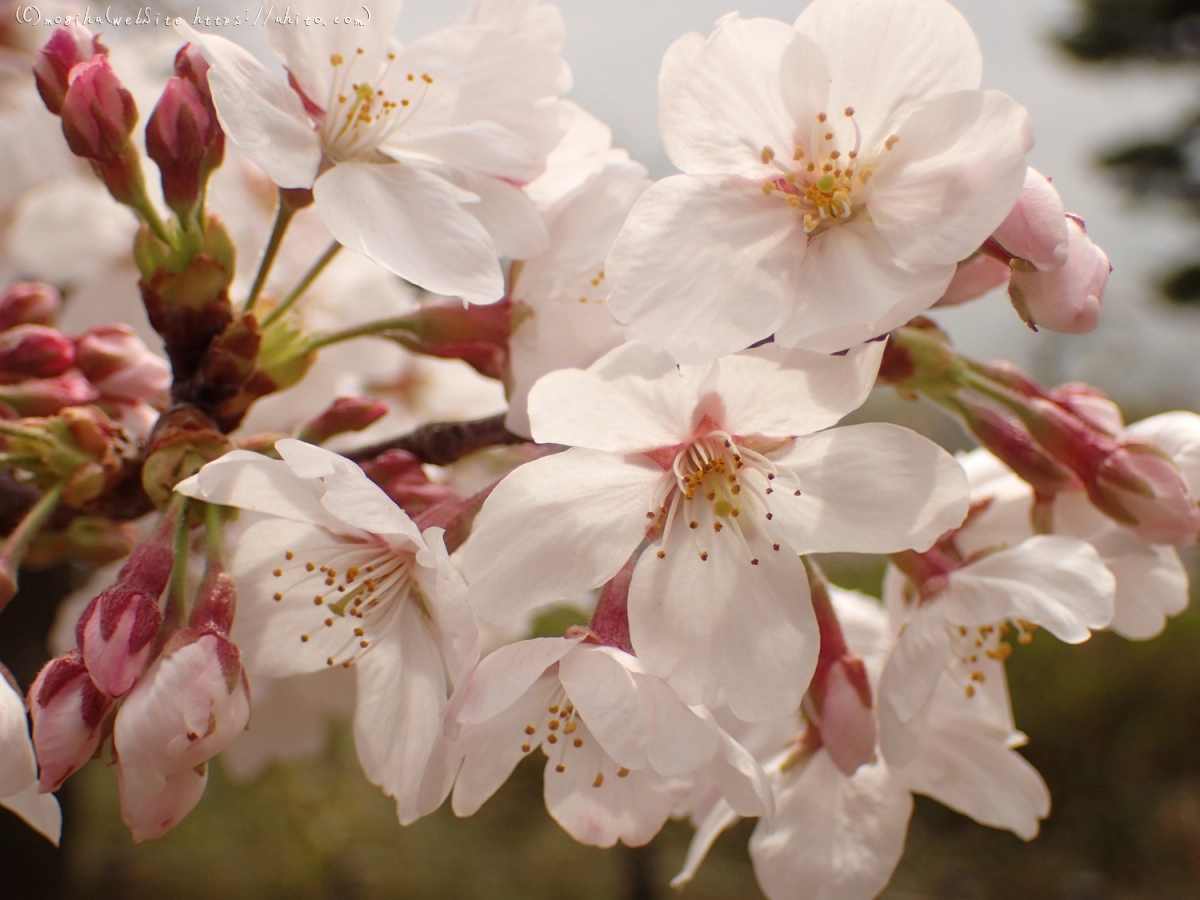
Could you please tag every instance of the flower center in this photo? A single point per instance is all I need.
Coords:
(969, 645)
(354, 589)
(358, 116)
(559, 731)
(823, 181)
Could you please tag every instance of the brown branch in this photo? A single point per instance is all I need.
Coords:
(441, 443)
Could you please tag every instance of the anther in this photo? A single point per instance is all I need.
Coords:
(754, 562)
(693, 524)
(662, 554)
(703, 555)
(552, 738)
(821, 117)
(849, 111)
(278, 597)
(716, 526)
(304, 638)
(774, 546)
(289, 555)
(578, 742)
(308, 567)
(599, 779)
(278, 573)
(622, 772)
(770, 516)
(798, 153)
(525, 748)
(767, 155)
(890, 142)
(560, 768)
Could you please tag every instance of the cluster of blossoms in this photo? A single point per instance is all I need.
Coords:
(666, 365)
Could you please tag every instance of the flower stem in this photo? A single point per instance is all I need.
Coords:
(441, 443)
(283, 217)
(177, 586)
(21, 537)
(309, 277)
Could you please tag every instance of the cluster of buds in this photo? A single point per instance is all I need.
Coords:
(1055, 274)
(170, 697)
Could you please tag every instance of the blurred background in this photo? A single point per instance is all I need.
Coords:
(1114, 726)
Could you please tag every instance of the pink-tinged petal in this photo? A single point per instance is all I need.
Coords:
(952, 177)
(773, 391)
(580, 515)
(1056, 582)
(412, 222)
(708, 829)
(1066, 299)
(889, 58)
(721, 622)
(598, 806)
(871, 488)
(509, 217)
(704, 267)
(581, 153)
(40, 811)
(1178, 433)
(490, 751)
(630, 401)
(251, 481)
(853, 288)
(1036, 229)
(262, 115)
(151, 814)
(484, 148)
(719, 98)
(67, 712)
(981, 778)
(503, 677)
(833, 837)
(973, 278)
(395, 736)
(916, 663)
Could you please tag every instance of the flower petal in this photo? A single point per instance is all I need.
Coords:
(412, 222)
(871, 488)
(953, 176)
(510, 218)
(719, 98)
(704, 267)
(505, 676)
(917, 662)
(40, 811)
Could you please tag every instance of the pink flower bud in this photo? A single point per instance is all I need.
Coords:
(29, 303)
(67, 711)
(187, 708)
(346, 414)
(1141, 486)
(114, 359)
(1090, 404)
(69, 45)
(1035, 230)
(152, 813)
(192, 67)
(35, 351)
(98, 113)
(478, 335)
(46, 396)
(178, 135)
(1013, 445)
(1066, 299)
(403, 478)
(974, 278)
(116, 632)
(847, 717)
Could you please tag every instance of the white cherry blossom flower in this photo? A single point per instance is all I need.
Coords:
(835, 174)
(338, 575)
(18, 767)
(718, 466)
(621, 747)
(414, 154)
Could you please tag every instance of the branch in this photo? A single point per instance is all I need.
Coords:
(441, 443)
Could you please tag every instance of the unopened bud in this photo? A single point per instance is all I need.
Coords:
(67, 712)
(403, 478)
(47, 396)
(69, 45)
(178, 135)
(1140, 485)
(346, 414)
(1036, 228)
(847, 716)
(1066, 299)
(478, 335)
(116, 632)
(1011, 443)
(183, 441)
(152, 813)
(35, 351)
(973, 278)
(114, 359)
(98, 113)
(1090, 404)
(29, 303)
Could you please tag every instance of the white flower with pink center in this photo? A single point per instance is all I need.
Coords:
(836, 172)
(716, 470)
(337, 575)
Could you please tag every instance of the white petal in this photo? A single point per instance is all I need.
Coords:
(411, 222)
(1178, 433)
(504, 676)
(484, 148)
(871, 488)
(40, 811)
(723, 623)
(853, 288)
(708, 830)
(509, 217)
(1152, 584)
(579, 515)
(630, 401)
(719, 99)
(888, 58)
(262, 115)
(952, 178)
(1057, 582)
(917, 662)
(773, 391)
(705, 267)
(742, 781)
(18, 769)
(445, 596)
(833, 837)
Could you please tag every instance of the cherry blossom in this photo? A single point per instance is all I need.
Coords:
(413, 153)
(335, 574)
(835, 174)
(729, 483)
